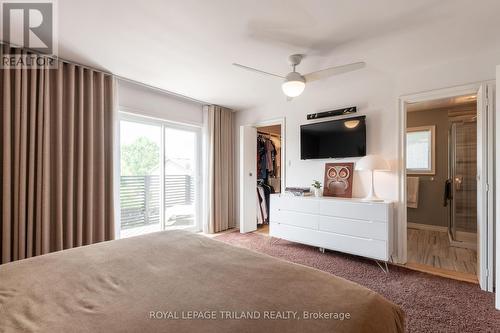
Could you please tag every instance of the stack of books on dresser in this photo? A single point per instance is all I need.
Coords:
(299, 191)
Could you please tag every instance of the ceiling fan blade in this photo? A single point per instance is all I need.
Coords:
(257, 70)
(318, 75)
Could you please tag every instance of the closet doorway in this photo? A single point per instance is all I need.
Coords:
(268, 172)
(262, 172)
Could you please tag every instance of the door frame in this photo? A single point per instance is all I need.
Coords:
(485, 195)
(162, 123)
(245, 192)
(497, 186)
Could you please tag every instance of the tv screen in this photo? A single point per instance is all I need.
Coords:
(333, 139)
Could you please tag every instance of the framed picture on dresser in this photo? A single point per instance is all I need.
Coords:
(338, 180)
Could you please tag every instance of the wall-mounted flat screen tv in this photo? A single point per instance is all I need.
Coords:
(333, 139)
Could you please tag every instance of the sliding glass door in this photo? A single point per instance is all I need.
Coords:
(180, 177)
(140, 169)
(159, 176)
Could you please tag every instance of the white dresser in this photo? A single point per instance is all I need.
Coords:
(345, 225)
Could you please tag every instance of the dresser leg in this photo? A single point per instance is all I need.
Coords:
(322, 250)
(384, 269)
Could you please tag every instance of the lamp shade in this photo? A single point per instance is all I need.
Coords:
(372, 162)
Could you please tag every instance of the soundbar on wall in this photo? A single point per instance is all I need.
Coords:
(332, 113)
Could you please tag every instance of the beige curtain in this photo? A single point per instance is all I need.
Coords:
(221, 185)
(56, 159)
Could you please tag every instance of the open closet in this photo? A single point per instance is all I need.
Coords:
(269, 171)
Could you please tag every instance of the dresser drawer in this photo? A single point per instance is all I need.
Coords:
(304, 220)
(358, 228)
(355, 210)
(371, 248)
(295, 204)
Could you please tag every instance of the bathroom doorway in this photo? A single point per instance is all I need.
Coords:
(418, 244)
(441, 167)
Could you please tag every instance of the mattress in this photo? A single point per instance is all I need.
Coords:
(176, 281)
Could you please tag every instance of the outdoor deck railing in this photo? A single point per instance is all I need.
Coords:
(140, 197)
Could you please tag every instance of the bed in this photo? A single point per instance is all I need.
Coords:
(175, 281)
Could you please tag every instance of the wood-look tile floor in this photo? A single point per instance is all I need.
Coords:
(432, 248)
(262, 229)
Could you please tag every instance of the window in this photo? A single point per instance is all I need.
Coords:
(156, 195)
(420, 150)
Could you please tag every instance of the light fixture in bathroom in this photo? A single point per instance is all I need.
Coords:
(351, 123)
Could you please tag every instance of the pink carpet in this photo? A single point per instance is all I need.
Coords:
(431, 303)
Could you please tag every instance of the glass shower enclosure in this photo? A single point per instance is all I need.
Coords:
(461, 191)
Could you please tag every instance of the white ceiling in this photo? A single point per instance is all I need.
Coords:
(187, 46)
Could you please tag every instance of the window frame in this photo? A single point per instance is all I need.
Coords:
(431, 170)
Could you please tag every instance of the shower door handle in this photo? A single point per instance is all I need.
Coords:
(458, 182)
(448, 194)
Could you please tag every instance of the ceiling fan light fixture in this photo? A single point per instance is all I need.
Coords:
(294, 84)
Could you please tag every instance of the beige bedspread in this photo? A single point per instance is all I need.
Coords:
(176, 281)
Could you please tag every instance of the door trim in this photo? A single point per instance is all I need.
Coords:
(497, 184)
(485, 230)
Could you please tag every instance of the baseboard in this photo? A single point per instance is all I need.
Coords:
(428, 227)
(467, 235)
(466, 240)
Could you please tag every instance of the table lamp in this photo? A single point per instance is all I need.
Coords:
(372, 163)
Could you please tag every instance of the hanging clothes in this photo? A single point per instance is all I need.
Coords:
(261, 158)
(264, 192)
(271, 154)
(267, 169)
(260, 215)
(275, 179)
(266, 158)
(277, 156)
(262, 205)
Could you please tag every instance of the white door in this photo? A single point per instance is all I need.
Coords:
(248, 179)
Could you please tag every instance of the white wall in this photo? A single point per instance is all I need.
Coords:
(375, 91)
(138, 99)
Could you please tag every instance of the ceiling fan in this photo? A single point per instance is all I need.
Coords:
(294, 82)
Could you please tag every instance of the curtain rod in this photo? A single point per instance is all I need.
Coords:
(164, 91)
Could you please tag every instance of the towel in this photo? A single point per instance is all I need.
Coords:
(412, 184)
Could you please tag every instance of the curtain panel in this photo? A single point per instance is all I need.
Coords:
(221, 169)
(56, 139)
